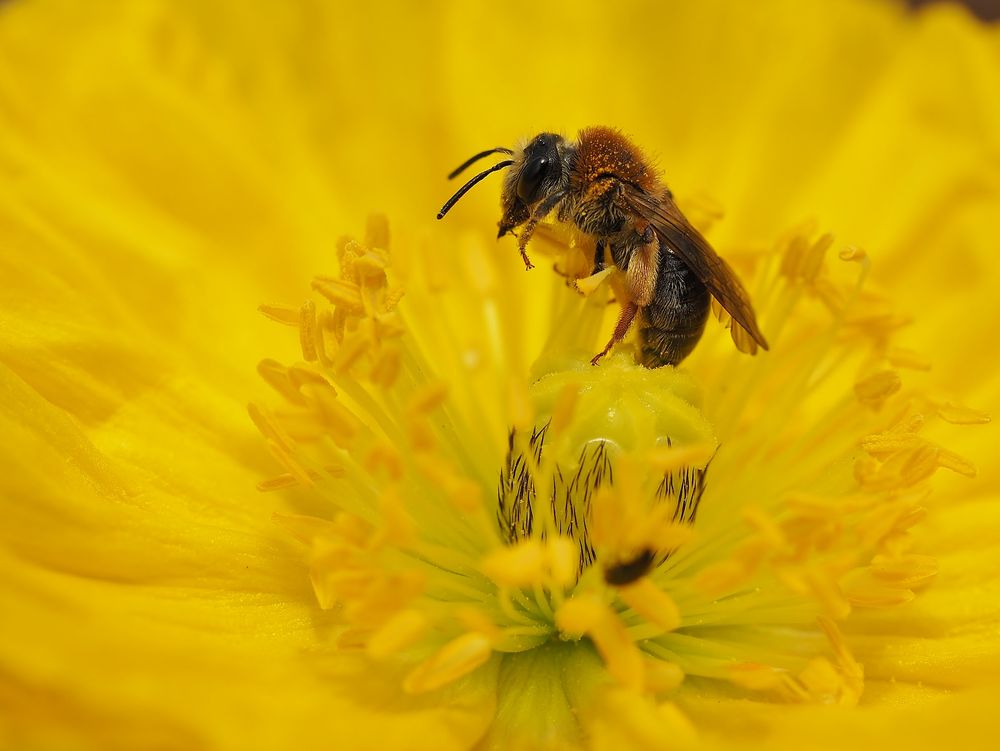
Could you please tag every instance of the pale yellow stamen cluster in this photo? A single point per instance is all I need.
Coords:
(411, 559)
(833, 530)
(443, 547)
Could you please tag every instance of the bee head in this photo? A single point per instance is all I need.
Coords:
(536, 173)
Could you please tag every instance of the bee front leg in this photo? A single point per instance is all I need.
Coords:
(522, 244)
(537, 215)
(621, 329)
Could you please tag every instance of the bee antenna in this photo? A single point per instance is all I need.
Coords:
(473, 159)
(468, 186)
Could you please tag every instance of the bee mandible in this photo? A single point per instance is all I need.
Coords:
(605, 187)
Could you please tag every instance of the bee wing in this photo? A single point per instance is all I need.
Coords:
(683, 239)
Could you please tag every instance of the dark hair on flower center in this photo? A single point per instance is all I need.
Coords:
(570, 498)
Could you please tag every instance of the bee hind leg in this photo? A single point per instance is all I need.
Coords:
(621, 329)
(598, 258)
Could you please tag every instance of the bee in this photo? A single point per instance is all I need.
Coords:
(606, 188)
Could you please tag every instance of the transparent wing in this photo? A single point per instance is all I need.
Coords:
(674, 230)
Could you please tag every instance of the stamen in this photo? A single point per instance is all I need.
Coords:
(301, 376)
(428, 398)
(905, 358)
(652, 603)
(619, 516)
(905, 571)
(385, 370)
(457, 658)
(850, 669)
(308, 330)
(268, 428)
(276, 376)
(280, 314)
(586, 614)
(342, 424)
(342, 293)
(662, 676)
(851, 253)
(403, 630)
(380, 594)
(819, 681)
(803, 260)
(520, 565)
(281, 482)
(353, 348)
(646, 724)
(562, 412)
(861, 588)
(372, 266)
(959, 415)
(461, 492)
(561, 559)
(398, 528)
(756, 677)
(957, 464)
(285, 481)
(533, 563)
(353, 639)
(876, 388)
(326, 322)
(385, 457)
(588, 285)
(519, 406)
(883, 445)
(667, 459)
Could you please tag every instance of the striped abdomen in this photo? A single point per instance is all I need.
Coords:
(673, 322)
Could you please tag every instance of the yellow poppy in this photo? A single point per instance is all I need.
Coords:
(166, 168)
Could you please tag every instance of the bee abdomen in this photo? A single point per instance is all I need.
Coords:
(661, 348)
(675, 319)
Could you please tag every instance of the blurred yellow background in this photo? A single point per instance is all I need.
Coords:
(266, 130)
(165, 167)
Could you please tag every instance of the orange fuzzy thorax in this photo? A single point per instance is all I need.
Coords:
(603, 150)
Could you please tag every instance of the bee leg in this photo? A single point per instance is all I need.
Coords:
(598, 258)
(571, 281)
(529, 227)
(564, 274)
(528, 265)
(621, 328)
(522, 241)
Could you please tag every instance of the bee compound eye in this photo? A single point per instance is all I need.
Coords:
(531, 178)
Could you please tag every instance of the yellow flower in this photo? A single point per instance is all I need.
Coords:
(175, 165)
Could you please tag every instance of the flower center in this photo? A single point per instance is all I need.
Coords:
(474, 515)
(553, 475)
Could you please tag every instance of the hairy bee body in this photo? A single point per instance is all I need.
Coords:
(672, 324)
(665, 275)
(605, 187)
(673, 303)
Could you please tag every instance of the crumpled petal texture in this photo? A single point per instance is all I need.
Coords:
(165, 167)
